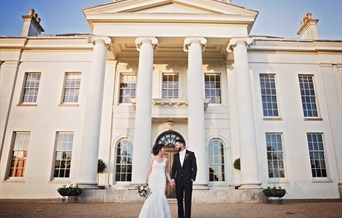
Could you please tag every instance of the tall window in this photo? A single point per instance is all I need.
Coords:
(213, 88)
(19, 154)
(317, 157)
(64, 143)
(268, 95)
(275, 155)
(124, 153)
(127, 87)
(216, 160)
(170, 86)
(71, 87)
(307, 92)
(31, 87)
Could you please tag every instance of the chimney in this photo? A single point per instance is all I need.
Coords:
(308, 29)
(31, 25)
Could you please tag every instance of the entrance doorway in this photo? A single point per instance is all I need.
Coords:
(168, 139)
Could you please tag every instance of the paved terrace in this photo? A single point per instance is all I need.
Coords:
(54, 208)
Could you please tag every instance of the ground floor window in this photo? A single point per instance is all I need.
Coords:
(317, 156)
(19, 154)
(123, 164)
(275, 155)
(216, 160)
(63, 154)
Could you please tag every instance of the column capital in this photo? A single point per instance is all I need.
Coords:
(99, 39)
(200, 40)
(324, 65)
(150, 39)
(236, 41)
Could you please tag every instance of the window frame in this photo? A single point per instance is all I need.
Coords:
(10, 155)
(121, 74)
(276, 179)
(318, 117)
(53, 165)
(23, 90)
(62, 102)
(326, 162)
(278, 117)
(225, 180)
(115, 162)
(221, 88)
(179, 85)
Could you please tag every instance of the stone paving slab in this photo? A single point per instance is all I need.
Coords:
(54, 208)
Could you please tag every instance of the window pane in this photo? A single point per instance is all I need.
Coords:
(19, 154)
(268, 95)
(170, 86)
(63, 154)
(216, 160)
(308, 95)
(275, 155)
(316, 152)
(213, 88)
(127, 88)
(124, 161)
(31, 86)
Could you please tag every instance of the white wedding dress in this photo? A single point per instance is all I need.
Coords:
(156, 205)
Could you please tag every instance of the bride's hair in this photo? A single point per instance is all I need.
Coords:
(156, 148)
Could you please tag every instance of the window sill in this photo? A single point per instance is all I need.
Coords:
(27, 105)
(273, 118)
(277, 181)
(321, 180)
(68, 105)
(313, 118)
(14, 180)
(59, 181)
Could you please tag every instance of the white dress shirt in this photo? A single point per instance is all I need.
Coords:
(182, 156)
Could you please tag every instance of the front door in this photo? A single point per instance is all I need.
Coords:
(168, 139)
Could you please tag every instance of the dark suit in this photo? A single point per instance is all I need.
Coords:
(184, 177)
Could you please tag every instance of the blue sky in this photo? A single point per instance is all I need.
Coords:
(276, 17)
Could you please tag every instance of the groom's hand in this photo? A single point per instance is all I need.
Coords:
(172, 183)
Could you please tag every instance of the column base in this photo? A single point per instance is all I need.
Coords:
(88, 186)
(340, 189)
(200, 187)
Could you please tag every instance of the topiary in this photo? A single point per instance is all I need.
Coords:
(236, 164)
(101, 166)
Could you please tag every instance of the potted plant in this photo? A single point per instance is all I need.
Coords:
(101, 166)
(277, 192)
(236, 164)
(69, 191)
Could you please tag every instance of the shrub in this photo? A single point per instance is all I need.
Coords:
(274, 192)
(236, 164)
(71, 190)
(101, 166)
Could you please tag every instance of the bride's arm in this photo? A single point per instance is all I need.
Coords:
(167, 172)
(149, 169)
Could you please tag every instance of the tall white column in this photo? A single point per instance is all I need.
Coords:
(248, 146)
(143, 114)
(92, 121)
(196, 124)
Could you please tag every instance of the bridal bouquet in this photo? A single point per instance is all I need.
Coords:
(143, 190)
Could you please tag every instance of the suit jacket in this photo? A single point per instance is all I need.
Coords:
(186, 172)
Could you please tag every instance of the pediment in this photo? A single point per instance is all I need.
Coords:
(170, 7)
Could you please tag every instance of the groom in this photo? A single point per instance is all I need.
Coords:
(184, 170)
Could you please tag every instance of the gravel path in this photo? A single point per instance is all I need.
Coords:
(54, 208)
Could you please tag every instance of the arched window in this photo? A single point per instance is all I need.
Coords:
(168, 138)
(216, 161)
(123, 164)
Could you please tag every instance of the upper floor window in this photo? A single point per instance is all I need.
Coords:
(127, 87)
(268, 95)
(317, 155)
(123, 171)
(275, 160)
(19, 154)
(31, 86)
(216, 160)
(170, 86)
(213, 88)
(71, 87)
(308, 95)
(63, 153)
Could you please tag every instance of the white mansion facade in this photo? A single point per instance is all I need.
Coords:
(153, 71)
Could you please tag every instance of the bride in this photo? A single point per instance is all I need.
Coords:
(156, 204)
